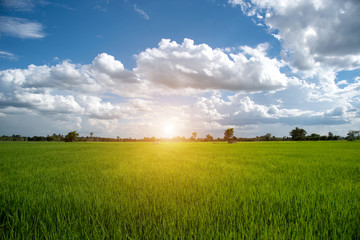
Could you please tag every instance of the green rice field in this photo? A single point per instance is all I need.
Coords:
(259, 190)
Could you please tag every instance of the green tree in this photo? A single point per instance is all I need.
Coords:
(71, 136)
(353, 135)
(209, 138)
(228, 134)
(50, 138)
(314, 137)
(330, 136)
(298, 134)
(193, 136)
(267, 137)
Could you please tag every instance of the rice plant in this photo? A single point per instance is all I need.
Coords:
(261, 190)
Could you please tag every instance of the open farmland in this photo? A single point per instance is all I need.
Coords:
(262, 190)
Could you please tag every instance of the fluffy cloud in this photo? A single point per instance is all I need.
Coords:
(21, 28)
(181, 68)
(186, 65)
(96, 108)
(64, 76)
(48, 104)
(111, 71)
(102, 75)
(313, 33)
(319, 39)
(108, 99)
(68, 88)
(239, 110)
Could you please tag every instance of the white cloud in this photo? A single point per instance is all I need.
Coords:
(142, 105)
(96, 108)
(186, 65)
(48, 103)
(68, 88)
(107, 63)
(112, 71)
(241, 111)
(313, 33)
(18, 5)
(8, 55)
(29, 5)
(214, 90)
(104, 74)
(319, 39)
(141, 12)
(342, 82)
(21, 28)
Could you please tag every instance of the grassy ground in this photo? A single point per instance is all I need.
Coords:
(264, 190)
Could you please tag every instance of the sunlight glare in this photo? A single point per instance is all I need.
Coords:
(168, 129)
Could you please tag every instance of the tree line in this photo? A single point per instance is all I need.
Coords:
(297, 134)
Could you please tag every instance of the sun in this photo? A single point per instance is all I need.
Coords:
(168, 129)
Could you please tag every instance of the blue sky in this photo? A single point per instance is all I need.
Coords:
(167, 68)
(79, 30)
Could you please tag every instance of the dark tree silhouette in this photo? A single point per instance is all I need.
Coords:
(353, 135)
(267, 137)
(193, 136)
(314, 137)
(228, 134)
(298, 134)
(71, 136)
(330, 136)
(209, 138)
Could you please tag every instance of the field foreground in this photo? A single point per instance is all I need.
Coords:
(263, 190)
